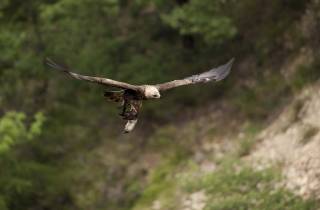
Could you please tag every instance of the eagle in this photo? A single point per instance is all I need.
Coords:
(130, 97)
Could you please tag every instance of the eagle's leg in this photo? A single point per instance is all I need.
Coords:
(132, 118)
(131, 114)
(125, 107)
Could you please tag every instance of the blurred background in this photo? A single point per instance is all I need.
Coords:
(248, 142)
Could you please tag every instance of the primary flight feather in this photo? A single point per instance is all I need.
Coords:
(131, 96)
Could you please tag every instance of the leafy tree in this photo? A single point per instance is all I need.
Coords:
(20, 175)
(13, 130)
(203, 18)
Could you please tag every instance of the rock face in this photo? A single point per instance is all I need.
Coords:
(293, 142)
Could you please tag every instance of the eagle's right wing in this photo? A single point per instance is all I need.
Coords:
(215, 74)
(98, 80)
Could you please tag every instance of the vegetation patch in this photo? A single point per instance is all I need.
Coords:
(233, 186)
(248, 140)
(239, 187)
(305, 75)
(161, 184)
(259, 100)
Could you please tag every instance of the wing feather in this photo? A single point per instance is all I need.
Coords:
(98, 80)
(216, 74)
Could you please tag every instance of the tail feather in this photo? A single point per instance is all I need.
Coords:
(130, 125)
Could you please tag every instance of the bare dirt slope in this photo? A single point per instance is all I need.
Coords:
(292, 142)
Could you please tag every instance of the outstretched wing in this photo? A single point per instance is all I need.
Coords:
(215, 74)
(98, 80)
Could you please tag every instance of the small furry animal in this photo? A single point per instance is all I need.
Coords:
(130, 96)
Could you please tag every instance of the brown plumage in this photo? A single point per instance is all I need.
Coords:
(215, 74)
(130, 96)
(98, 80)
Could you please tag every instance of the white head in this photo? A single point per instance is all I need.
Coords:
(151, 92)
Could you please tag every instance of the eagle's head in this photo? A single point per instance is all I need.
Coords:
(151, 92)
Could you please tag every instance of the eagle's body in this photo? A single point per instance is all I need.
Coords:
(131, 96)
(131, 102)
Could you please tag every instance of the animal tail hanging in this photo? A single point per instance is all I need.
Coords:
(114, 96)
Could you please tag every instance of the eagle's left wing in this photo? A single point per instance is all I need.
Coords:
(215, 74)
(98, 80)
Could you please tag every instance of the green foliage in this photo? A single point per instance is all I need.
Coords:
(3, 205)
(257, 102)
(203, 18)
(139, 42)
(13, 130)
(160, 183)
(238, 187)
(20, 177)
(232, 186)
(247, 141)
(304, 75)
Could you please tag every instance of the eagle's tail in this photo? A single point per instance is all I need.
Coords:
(130, 125)
(115, 96)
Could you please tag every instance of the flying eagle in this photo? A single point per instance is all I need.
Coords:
(130, 96)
